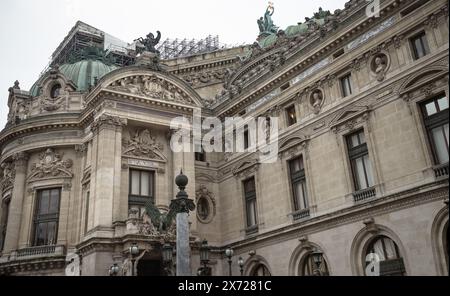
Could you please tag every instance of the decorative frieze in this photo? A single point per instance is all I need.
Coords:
(7, 176)
(143, 144)
(51, 165)
(152, 86)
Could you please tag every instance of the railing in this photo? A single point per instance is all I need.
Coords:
(441, 170)
(364, 194)
(40, 251)
(302, 214)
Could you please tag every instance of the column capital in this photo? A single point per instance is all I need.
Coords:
(20, 159)
(106, 120)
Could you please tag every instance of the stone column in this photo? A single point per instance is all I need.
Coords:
(182, 206)
(106, 172)
(15, 208)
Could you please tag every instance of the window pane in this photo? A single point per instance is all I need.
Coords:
(296, 165)
(249, 186)
(51, 233)
(44, 202)
(251, 212)
(362, 138)
(440, 143)
(41, 232)
(292, 117)
(360, 176)
(369, 171)
(420, 52)
(145, 184)
(54, 201)
(431, 108)
(300, 197)
(354, 141)
(443, 104)
(135, 175)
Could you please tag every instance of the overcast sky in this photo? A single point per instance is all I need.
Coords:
(30, 30)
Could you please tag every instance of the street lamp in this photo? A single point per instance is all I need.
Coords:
(114, 270)
(229, 253)
(204, 258)
(167, 252)
(317, 259)
(134, 251)
(241, 265)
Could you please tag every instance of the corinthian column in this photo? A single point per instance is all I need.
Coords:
(15, 208)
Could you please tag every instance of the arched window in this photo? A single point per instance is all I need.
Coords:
(261, 270)
(311, 268)
(386, 251)
(55, 91)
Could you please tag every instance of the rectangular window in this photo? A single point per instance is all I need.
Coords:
(200, 156)
(46, 217)
(246, 138)
(250, 202)
(360, 162)
(291, 115)
(86, 212)
(419, 45)
(435, 114)
(346, 85)
(298, 182)
(141, 189)
(4, 222)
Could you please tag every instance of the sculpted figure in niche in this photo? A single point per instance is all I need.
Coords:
(379, 66)
(316, 100)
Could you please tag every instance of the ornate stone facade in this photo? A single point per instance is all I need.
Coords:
(104, 152)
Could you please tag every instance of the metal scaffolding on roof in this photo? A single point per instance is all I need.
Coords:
(175, 48)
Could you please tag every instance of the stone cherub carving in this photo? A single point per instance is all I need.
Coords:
(150, 42)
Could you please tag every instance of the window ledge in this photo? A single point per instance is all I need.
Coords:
(441, 171)
(301, 215)
(251, 230)
(37, 252)
(364, 194)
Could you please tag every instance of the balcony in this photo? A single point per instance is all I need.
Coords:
(441, 171)
(302, 214)
(364, 194)
(38, 252)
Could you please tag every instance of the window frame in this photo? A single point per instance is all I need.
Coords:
(291, 121)
(5, 207)
(298, 177)
(343, 78)
(47, 218)
(141, 200)
(359, 152)
(250, 196)
(422, 35)
(431, 122)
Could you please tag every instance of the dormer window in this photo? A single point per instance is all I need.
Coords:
(55, 91)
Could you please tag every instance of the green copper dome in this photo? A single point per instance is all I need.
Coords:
(82, 69)
(84, 73)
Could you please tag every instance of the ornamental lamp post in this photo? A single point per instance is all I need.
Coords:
(134, 252)
(317, 259)
(114, 270)
(182, 205)
(229, 253)
(204, 258)
(167, 252)
(241, 265)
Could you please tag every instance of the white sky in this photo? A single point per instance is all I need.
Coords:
(30, 30)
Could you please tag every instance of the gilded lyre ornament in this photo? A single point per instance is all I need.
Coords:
(149, 42)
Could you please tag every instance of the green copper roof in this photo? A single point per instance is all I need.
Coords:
(82, 73)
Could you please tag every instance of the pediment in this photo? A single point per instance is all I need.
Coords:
(244, 165)
(418, 80)
(148, 84)
(292, 141)
(348, 114)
